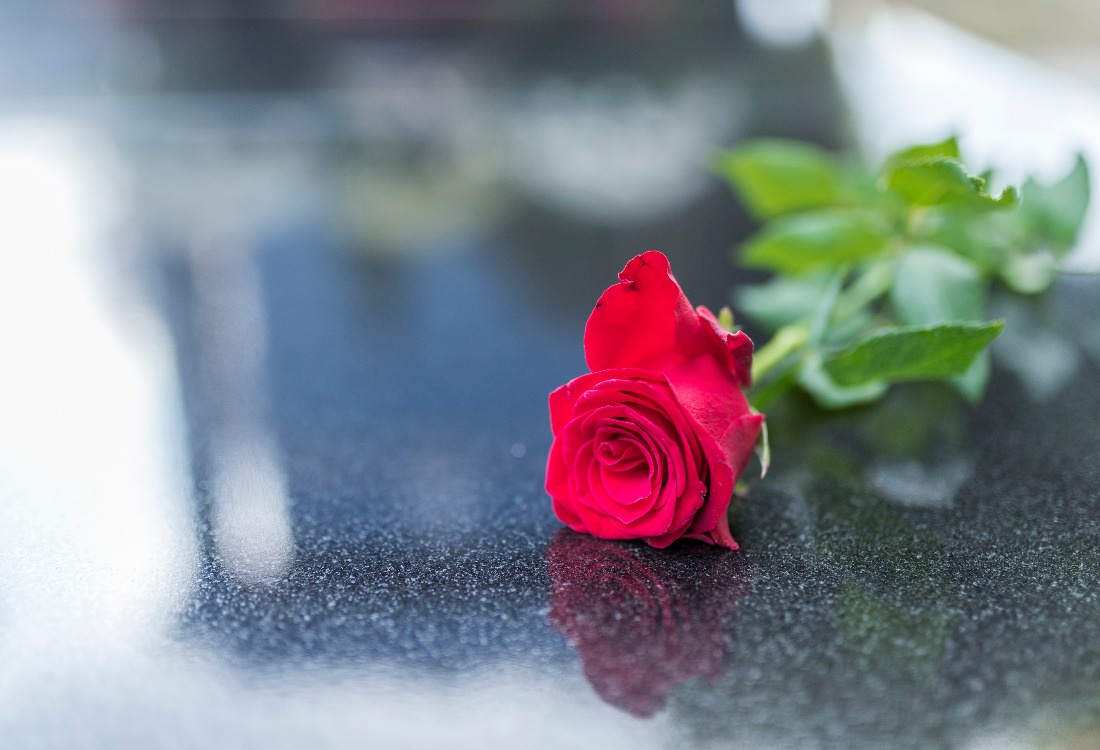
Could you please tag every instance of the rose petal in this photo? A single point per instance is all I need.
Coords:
(563, 400)
(619, 451)
(624, 487)
(625, 481)
(719, 535)
(659, 404)
(644, 320)
(650, 507)
(727, 430)
(688, 506)
(565, 514)
(709, 395)
(653, 407)
(736, 348)
(557, 478)
(627, 514)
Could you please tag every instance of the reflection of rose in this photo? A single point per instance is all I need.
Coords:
(649, 444)
(642, 621)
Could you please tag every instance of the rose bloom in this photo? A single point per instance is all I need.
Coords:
(641, 621)
(650, 443)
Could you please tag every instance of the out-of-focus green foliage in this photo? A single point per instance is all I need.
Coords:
(795, 244)
(881, 275)
(778, 177)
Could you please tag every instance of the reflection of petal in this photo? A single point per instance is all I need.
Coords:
(642, 620)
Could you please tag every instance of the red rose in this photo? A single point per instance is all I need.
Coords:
(641, 621)
(649, 444)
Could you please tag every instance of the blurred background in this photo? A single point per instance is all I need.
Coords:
(284, 285)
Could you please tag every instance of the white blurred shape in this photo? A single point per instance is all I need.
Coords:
(914, 485)
(96, 533)
(618, 150)
(783, 23)
(190, 703)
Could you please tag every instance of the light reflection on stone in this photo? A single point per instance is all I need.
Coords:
(97, 551)
(251, 523)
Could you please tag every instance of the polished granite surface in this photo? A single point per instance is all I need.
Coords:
(272, 466)
(922, 575)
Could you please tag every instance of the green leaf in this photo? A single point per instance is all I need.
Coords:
(936, 286)
(947, 148)
(1055, 212)
(971, 384)
(775, 177)
(841, 332)
(873, 281)
(831, 395)
(979, 238)
(826, 307)
(943, 181)
(913, 353)
(802, 243)
(781, 300)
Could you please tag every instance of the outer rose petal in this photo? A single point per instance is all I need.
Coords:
(710, 396)
(646, 321)
(720, 535)
(564, 398)
(728, 432)
(643, 321)
(737, 345)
